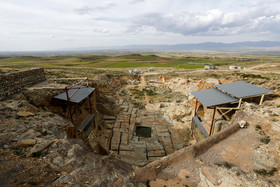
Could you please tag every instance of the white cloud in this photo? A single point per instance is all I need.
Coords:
(86, 9)
(50, 24)
(213, 22)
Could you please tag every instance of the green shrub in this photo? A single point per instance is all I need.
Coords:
(225, 164)
(265, 140)
(265, 172)
(138, 92)
(150, 92)
(258, 127)
(33, 182)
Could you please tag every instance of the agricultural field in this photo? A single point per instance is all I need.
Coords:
(141, 61)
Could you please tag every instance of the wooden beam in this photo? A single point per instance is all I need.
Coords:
(78, 78)
(195, 108)
(212, 123)
(69, 106)
(239, 104)
(261, 101)
(46, 88)
(224, 114)
(225, 108)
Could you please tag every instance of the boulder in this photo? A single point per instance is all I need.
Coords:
(242, 124)
(30, 134)
(26, 143)
(25, 114)
(41, 145)
(58, 161)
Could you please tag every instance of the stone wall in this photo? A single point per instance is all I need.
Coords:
(12, 83)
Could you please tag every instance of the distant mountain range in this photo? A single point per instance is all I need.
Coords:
(265, 47)
(212, 46)
(209, 46)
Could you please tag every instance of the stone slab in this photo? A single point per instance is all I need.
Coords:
(117, 124)
(169, 150)
(115, 141)
(126, 147)
(124, 139)
(154, 146)
(126, 153)
(107, 117)
(134, 110)
(165, 134)
(156, 153)
(152, 159)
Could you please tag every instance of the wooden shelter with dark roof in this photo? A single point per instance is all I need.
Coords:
(223, 97)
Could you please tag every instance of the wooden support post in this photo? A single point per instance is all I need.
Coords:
(212, 123)
(261, 101)
(192, 128)
(69, 105)
(239, 104)
(90, 106)
(195, 108)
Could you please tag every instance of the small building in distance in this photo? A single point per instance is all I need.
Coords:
(151, 69)
(131, 70)
(234, 67)
(210, 66)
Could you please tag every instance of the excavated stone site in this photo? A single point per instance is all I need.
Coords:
(140, 136)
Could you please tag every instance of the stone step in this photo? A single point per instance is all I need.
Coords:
(156, 153)
(115, 141)
(107, 117)
(124, 138)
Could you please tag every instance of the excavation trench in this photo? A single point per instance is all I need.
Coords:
(123, 127)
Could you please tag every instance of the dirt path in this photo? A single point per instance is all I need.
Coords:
(142, 86)
(232, 162)
(257, 66)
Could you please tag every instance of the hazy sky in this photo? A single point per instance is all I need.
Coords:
(57, 24)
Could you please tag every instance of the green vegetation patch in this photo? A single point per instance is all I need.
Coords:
(258, 127)
(154, 64)
(150, 92)
(140, 57)
(127, 65)
(225, 164)
(17, 59)
(189, 66)
(33, 182)
(265, 172)
(138, 93)
(265, 140)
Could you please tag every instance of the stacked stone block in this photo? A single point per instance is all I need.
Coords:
(12, 83)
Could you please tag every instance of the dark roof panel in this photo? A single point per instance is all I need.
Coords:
(213, 97)
(77, 94)
(242, 89)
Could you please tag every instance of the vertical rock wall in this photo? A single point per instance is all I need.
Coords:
(12, 83)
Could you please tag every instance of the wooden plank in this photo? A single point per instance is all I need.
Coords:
(78, 78)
